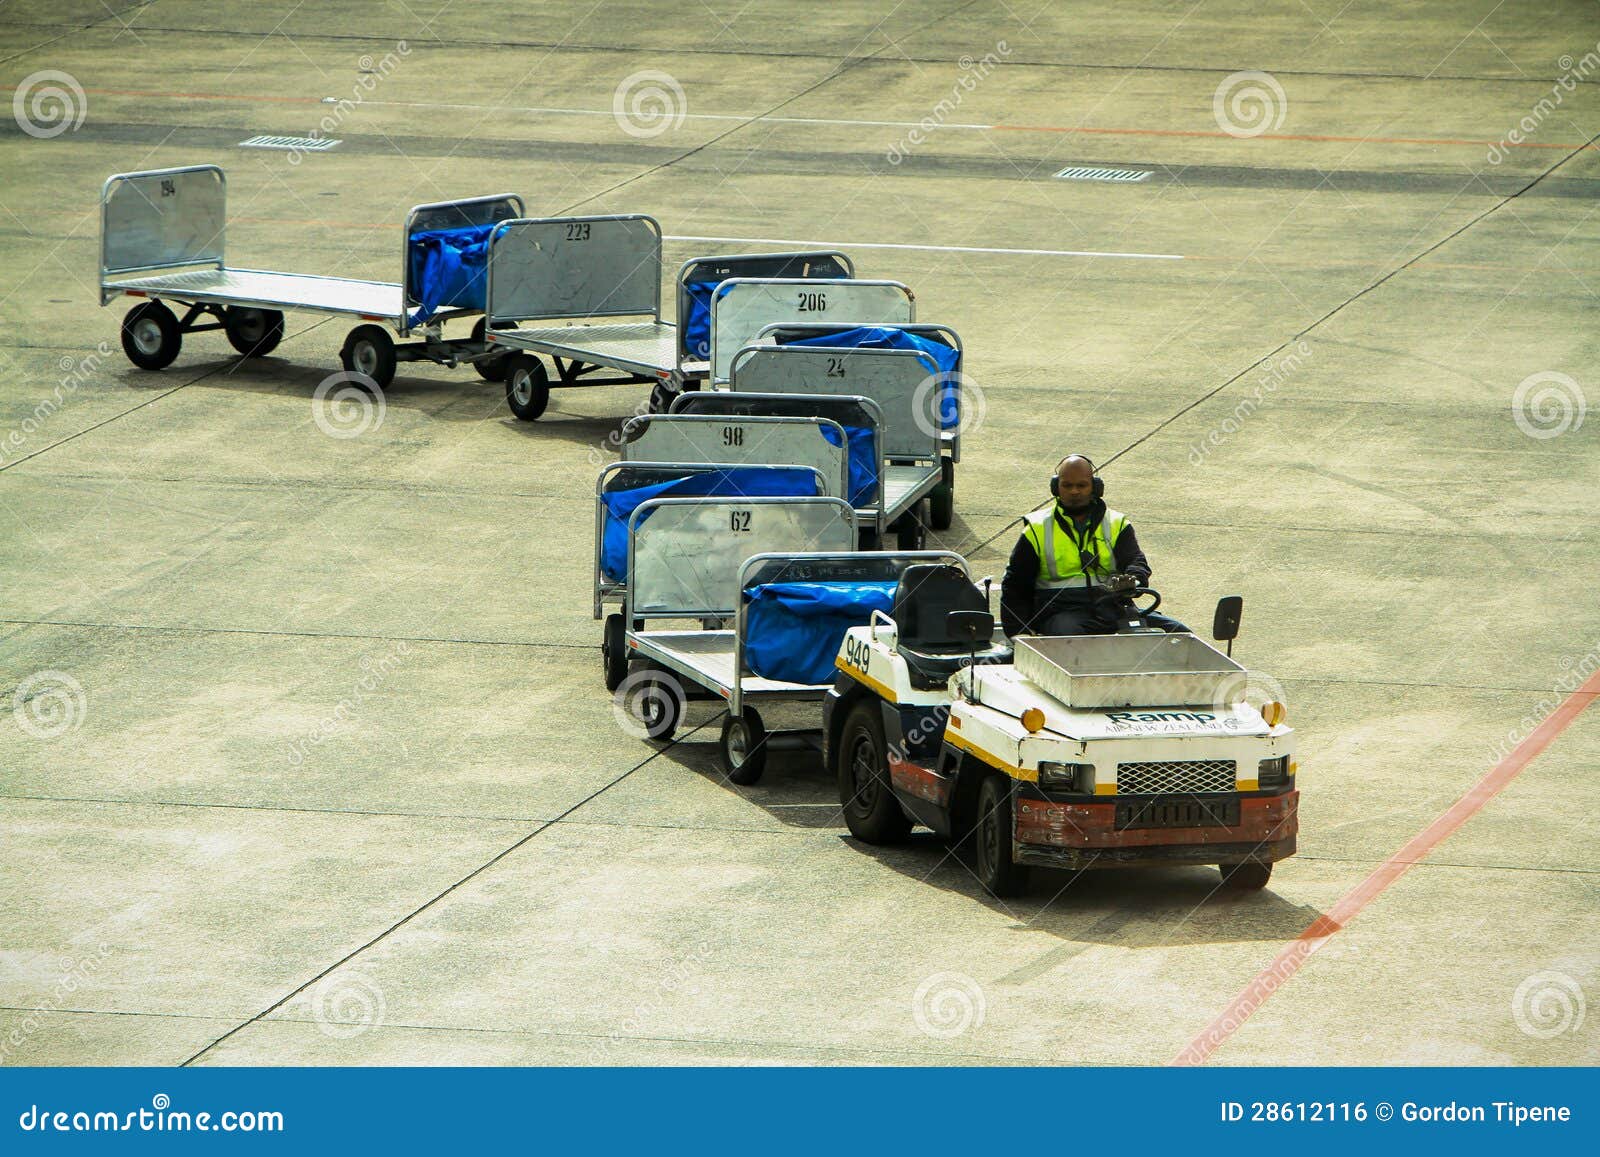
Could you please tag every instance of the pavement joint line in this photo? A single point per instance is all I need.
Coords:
(261, 807)
(1432, 863)
(293, 634)
(1292, 957)
(414, 913)
(225, 367)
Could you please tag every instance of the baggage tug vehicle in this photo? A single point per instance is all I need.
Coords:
(1119, 750)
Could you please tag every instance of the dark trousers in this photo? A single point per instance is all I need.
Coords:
(1087, 619)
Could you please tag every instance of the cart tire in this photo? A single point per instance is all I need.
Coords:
(942, 502)
(369, 350)
(614, 651)
(861, 766)
(1250, 876)
(489, 369)
(744, 746)
(151, 336)
(527, 386)
(995, 834)
(911, 532)
(661, 398)
(255, 333)
(657, 703)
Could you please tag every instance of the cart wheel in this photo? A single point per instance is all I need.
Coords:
(861, 766)
(661, 398)
(997, 871)
(657, 703)
(253, 332)
(744, 746)
(369, 350)
(911, 532)
(150, 336)
(489, 369)
(614, 651)
(527, 386)
(942, 502)
(1247, 877)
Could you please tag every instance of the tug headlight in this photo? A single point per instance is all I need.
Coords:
(1273, 772)
(1065, 776)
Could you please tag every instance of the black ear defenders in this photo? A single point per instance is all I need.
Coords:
(1097, 487)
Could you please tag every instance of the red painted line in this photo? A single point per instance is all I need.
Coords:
(1349, 906)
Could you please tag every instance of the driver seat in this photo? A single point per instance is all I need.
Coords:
(927, 593)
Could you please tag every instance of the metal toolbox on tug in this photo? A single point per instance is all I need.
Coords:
(1140, 670)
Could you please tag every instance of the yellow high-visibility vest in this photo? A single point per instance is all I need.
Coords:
(1060, 551)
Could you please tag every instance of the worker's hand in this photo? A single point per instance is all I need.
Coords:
(1120, 583)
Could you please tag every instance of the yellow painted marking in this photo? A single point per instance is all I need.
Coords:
(866, 680)
(1248, 785)
(1105, 789)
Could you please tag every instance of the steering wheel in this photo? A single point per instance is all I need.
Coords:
(1128, 596)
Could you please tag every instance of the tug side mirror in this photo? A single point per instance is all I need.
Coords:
(972, 627)
(1225, 624)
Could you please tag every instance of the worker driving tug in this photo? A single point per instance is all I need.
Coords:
(1069, 556)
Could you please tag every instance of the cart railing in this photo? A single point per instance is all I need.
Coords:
(629, 475)
(906, 384)
(558, 268)
(742, 441)
(162, 219)
(450, 215)
(685, 554)
(742, 307)
(943, 334)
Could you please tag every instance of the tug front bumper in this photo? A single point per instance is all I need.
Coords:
(1130, 831)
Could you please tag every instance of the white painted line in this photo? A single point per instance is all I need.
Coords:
(693, 116)
(848, 245)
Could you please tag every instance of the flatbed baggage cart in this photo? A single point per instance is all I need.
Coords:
(589, 274)
(162, 239)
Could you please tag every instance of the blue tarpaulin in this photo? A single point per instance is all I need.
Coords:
(737, 481)
(793, 630)
(947, 358)
(697, 324)
(448, 269)
(861, 454)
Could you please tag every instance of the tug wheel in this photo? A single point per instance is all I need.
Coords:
(862, 767)
(995, 835)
